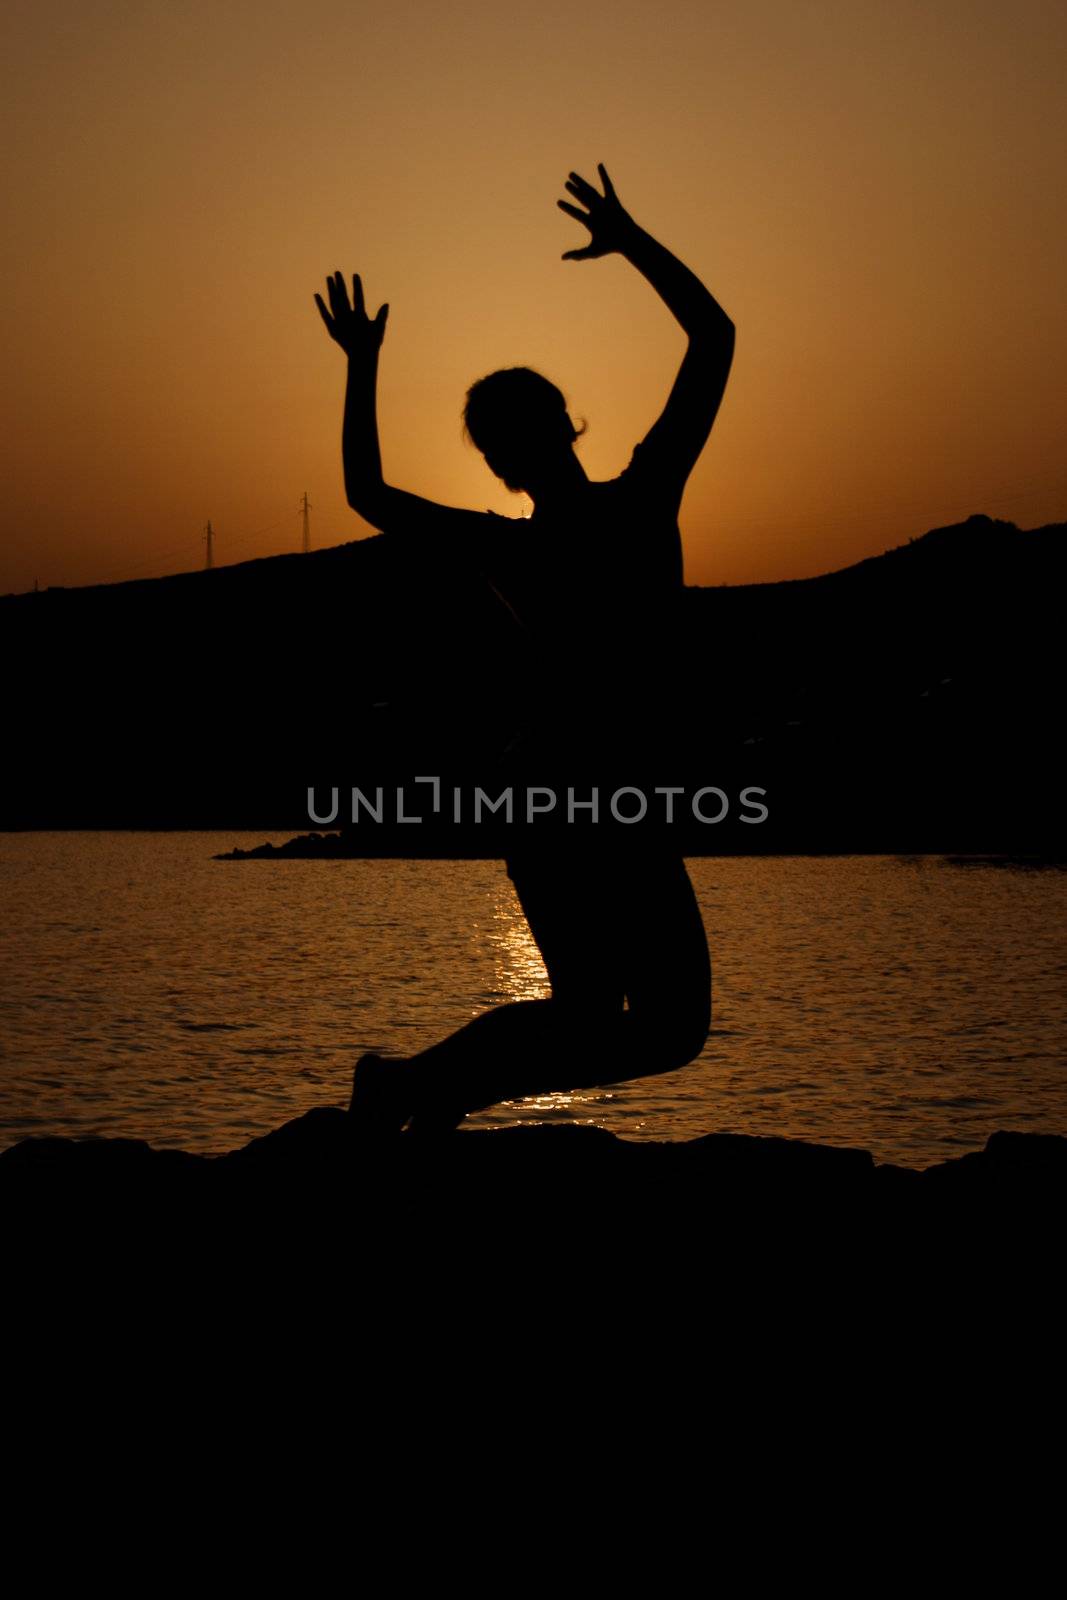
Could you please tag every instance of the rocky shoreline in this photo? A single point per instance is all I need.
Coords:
(524, 1238)
(321, 1148)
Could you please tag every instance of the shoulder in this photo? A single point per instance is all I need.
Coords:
(493, 526)
(640, 513)
(490, 536)
(641, 466)
(651, 476)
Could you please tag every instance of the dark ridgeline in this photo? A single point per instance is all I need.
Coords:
(913, 701)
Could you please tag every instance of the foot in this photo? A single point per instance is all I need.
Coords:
(431, 1122)
(382, 1097)
(436, 1112)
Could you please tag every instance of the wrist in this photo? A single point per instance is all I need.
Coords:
(363, 367)
(633, 239)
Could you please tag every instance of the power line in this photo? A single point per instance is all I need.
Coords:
(257, 533)
(156, 561)
(186, 551)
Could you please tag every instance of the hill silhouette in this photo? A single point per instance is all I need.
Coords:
(908, 702)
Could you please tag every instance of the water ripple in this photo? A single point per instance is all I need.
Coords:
(893, 1003)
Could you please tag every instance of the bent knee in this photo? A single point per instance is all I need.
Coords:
(686, 1042)
(679, 1032)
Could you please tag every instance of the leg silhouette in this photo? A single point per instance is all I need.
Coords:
(627, 958)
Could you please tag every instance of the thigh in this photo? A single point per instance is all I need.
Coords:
(569, 904)
(665, 958)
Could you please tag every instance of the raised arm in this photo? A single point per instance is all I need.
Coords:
(681, 432)
(388, 509)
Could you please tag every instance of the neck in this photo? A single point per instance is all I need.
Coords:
(559, 485)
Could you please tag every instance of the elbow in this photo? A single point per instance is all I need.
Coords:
(712, 345)
(717, 328)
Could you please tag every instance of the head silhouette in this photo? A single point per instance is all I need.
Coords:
(519, 422)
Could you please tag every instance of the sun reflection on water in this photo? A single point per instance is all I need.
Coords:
(520, 972)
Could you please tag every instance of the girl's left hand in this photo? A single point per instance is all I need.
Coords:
(349, 326)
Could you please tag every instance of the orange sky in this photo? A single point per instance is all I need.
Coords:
(874, 190)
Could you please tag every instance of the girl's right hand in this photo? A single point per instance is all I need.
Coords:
(610, 226)
(349, 325)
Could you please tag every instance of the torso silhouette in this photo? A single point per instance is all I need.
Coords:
(595, 589)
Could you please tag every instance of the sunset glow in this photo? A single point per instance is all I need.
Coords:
(873, 189)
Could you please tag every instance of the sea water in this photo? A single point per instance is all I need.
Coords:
(905, 1005)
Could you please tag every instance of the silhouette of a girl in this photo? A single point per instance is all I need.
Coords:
(594, 576)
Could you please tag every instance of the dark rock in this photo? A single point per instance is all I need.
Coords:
(529, 1232)
(323, 1147)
